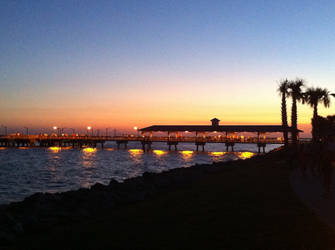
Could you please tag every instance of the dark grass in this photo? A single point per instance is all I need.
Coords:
(248, 205)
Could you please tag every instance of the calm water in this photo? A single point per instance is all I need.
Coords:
(29, 170)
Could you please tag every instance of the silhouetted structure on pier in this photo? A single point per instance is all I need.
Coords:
(225, 137)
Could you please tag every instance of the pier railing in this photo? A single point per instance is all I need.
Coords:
(207, 139)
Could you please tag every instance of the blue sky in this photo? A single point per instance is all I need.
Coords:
(81, 59)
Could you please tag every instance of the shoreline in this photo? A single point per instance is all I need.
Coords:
(114, 194)
(201, 188)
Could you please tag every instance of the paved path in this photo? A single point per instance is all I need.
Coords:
(310, 190)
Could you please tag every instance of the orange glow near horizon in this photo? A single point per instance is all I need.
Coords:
(240, 110)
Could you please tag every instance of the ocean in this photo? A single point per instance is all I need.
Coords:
(25, 171)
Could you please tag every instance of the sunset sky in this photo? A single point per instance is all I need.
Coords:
(121, 64)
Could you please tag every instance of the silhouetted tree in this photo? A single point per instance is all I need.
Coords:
(295, 92)
(283, 92)
(314, 96)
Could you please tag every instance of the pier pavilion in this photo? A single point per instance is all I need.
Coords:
(225, 133)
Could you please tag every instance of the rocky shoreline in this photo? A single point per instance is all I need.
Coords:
(44, 210)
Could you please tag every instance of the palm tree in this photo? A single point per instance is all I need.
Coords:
(295, 92)
(314, 96)
(283, 92)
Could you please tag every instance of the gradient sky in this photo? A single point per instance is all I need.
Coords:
(124, 63)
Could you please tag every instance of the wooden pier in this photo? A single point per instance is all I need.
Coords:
(122, 141)
(202, 134)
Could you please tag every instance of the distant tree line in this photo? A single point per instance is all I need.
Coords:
(312, 96)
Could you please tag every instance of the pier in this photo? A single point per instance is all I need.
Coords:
(199, 135)
(122, 141)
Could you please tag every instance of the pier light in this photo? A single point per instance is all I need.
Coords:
(89, 128)
(186, 131)
(136, 129)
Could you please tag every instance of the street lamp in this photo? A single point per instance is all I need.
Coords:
(56, 128)
(136, 128)
(88, 130)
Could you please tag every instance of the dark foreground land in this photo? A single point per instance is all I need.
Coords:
(239, 205)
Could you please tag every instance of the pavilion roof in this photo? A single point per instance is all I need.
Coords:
(221, 128)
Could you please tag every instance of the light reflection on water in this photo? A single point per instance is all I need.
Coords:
(159, 152)
(245, 155)
(187, 155)
(217, 153)
(54, 169)
(55, 149)
(89, 150)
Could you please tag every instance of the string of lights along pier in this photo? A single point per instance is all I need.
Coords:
(171, 134)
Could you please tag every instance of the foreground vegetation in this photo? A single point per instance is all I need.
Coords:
(245, 205)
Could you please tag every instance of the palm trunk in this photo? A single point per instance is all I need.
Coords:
(314, 130)
(294, 118)
(284, 119)
(315, 111)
